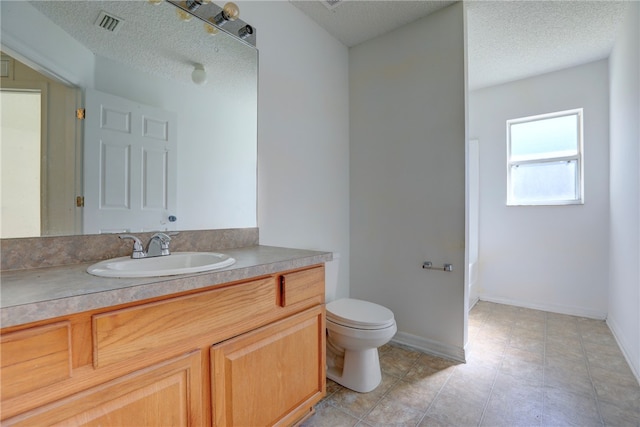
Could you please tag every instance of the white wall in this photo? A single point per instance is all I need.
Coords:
(547, 257)
(303, 133)
(407, 96)
(624, 278)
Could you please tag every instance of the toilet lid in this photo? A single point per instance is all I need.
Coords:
(359, 314)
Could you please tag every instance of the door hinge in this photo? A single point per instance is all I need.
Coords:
(80, 201)
(80, 113)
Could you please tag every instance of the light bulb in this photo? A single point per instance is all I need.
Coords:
(199, 75)
(230, 12)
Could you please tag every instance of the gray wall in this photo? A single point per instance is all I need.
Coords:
(624, 278)
(407, 111)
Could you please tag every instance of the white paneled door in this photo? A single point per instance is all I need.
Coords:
(130, 166)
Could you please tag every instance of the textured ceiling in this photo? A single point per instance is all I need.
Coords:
(507, 40)
(148, 41)
(355, 21)
(511, 40)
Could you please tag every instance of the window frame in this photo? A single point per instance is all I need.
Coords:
(578, 157)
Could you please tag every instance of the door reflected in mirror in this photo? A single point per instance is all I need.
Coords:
(148, 62)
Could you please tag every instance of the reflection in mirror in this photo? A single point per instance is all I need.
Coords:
(149, 61)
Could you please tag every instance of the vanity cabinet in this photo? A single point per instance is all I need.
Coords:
(248, 353)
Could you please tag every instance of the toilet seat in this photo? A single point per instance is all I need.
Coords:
(358, 314)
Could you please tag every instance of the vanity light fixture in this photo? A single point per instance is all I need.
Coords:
(199, 75)
(215, 19)
(230, 12)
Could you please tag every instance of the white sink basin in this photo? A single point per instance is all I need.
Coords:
(176, 263)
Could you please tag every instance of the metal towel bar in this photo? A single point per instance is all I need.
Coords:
(428, 265)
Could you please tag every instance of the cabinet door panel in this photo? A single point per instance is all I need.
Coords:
(271, 376)
(169, 393)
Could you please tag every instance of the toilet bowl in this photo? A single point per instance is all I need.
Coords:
(355, 330)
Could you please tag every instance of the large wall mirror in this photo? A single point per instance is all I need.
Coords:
(57, 58)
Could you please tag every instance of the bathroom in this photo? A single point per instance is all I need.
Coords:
(319, 176)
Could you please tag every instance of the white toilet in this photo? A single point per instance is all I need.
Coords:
(355, 330)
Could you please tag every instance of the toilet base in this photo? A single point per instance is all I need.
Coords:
(361, 371)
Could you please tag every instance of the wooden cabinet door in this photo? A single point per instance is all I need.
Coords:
(167, 394)
(271, 376)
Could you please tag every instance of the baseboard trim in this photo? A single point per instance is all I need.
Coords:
(554, 308)
(615, 330)
(429, 346)
(474, 301)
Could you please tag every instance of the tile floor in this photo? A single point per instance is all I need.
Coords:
(525, 368)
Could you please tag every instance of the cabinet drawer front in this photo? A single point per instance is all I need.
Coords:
(302, 285)
(220, 313)
(35, 358)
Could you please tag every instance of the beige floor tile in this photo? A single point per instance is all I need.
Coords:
(390, 412)
(470, 378)
(607, 357)
(332, 387)
(564, 408)
(571, 381)
(397, 361)
(525, 343)
(513, 404)
(600, 335)
(457, 408)
(527, 372)
(615, 388)
(616, 416)
(508, 386)
(531, 330)
(487, 352)
(330, 416)
(359, 404)
(427, 370)
(415, 395)
(433, 422)
(569, 363)
(524, 355)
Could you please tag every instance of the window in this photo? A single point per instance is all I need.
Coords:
(544, 159)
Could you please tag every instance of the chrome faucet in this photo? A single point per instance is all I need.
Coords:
(158, 245)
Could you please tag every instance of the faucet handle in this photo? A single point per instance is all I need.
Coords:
(138, 251)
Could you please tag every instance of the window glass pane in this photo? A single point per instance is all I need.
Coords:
(557, 136)
(550, 181)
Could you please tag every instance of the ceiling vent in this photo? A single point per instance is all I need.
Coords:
(109, 22)
(331, 4)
